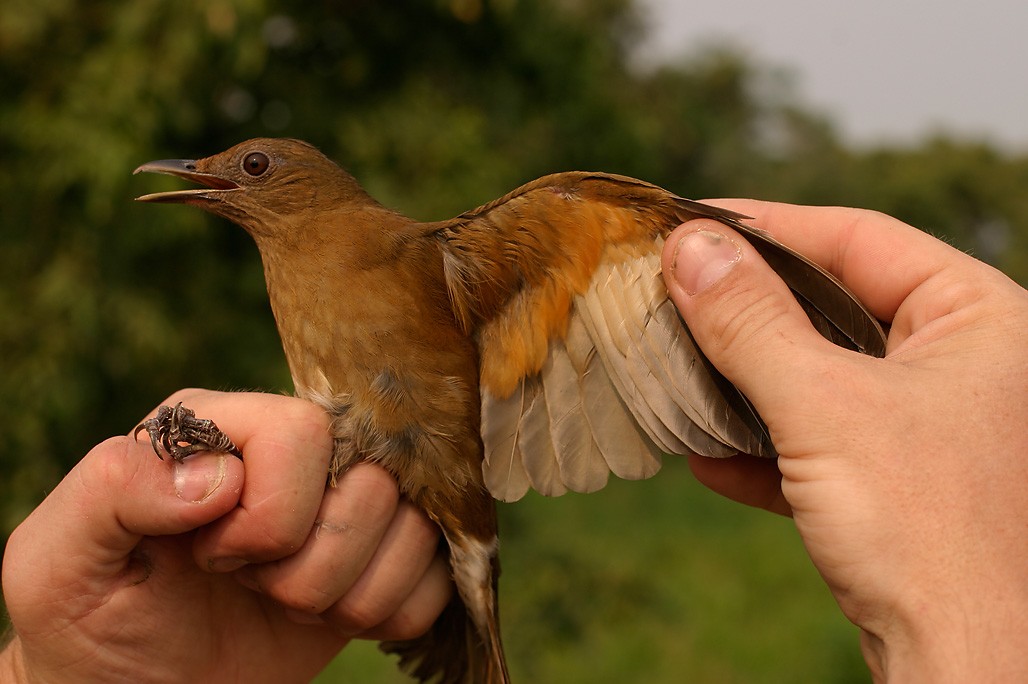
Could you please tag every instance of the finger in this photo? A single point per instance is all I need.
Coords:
(421, 608)
(286, 451)
(351, 523)
(740, 312)
(118, 493)
(747, 479)
(409, 550)
(858, 246)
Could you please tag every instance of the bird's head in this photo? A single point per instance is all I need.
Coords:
(260, 184)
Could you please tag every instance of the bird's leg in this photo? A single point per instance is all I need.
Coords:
(180, 433)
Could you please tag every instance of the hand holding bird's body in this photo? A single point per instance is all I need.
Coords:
(526, 343)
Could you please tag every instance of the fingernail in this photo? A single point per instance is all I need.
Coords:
(198, 477)
(702, 258)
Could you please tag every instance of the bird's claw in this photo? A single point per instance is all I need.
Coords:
(180, 433)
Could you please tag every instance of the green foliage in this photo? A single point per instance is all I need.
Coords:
(437, 106)
(656, 581)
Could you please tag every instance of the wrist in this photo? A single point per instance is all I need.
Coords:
(983, 644)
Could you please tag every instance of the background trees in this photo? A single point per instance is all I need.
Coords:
(437, 106)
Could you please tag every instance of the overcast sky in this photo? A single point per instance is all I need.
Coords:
(883, 69)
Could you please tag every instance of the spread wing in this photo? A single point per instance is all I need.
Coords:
(586, 367)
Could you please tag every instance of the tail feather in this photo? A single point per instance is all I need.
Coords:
(452, 652)
(464, 645)
(443, 653)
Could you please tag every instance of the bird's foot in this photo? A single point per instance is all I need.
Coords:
(181, 433)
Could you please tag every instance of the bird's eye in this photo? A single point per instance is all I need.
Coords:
(255, 163)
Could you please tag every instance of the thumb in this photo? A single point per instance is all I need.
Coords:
(117, 494)
(741, 314)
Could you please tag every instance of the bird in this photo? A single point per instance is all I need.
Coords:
(526, 344)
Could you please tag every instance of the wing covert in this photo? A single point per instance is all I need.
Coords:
(585, 366)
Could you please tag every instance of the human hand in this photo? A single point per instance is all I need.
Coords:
(906, 475)
(130, 569)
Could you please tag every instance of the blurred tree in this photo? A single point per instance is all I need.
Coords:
(436, 105)
(108, 305)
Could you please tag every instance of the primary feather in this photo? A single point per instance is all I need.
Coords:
(586, 367)
(526, 343)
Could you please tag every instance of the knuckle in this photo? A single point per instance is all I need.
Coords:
(358, 613)
(743, 314)
(296, 410)
(262, 534)
(111, 464)
(406, 624)
(278, 540)
(306, 598)
(300, 420)
(370, 489)
(422, 534)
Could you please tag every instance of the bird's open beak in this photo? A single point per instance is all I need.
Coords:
(184, 168)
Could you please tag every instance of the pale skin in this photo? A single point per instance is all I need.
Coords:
(322, 566)
(905, 476)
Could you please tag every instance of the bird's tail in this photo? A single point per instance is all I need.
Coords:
(452, 651)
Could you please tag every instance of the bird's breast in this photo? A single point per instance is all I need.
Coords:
(384, 356)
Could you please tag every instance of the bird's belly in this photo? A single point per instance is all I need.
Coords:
(398, 396)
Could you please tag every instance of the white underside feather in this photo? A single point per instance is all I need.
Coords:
(624, 385)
